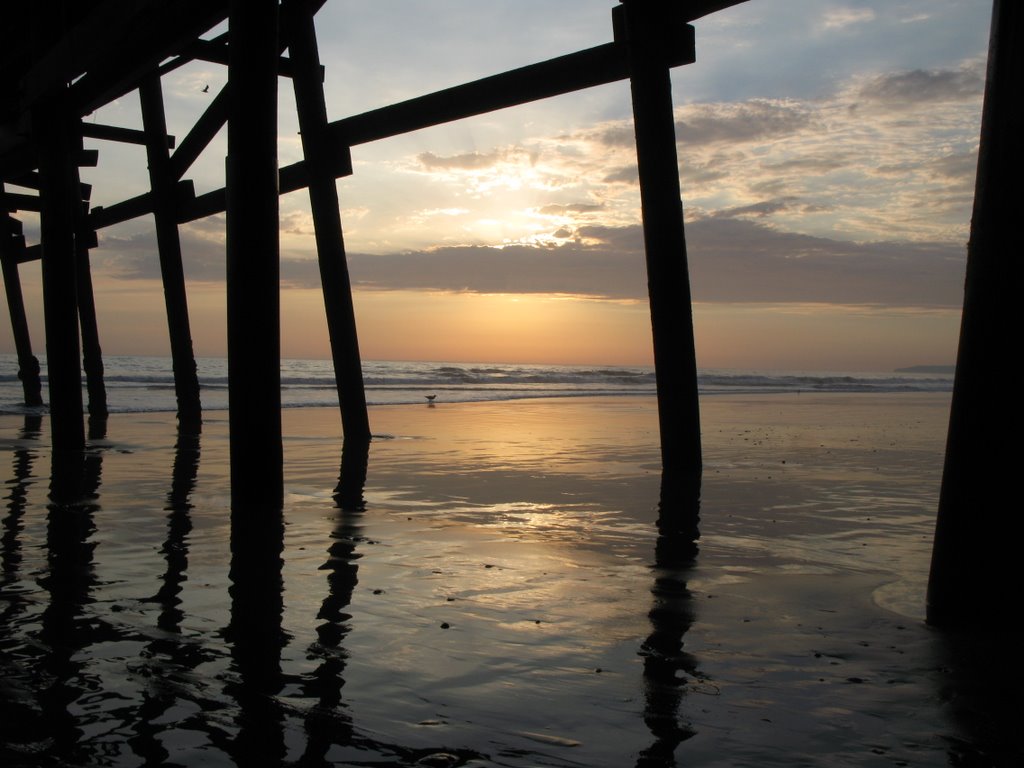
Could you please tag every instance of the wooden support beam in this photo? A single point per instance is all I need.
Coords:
(134, 207)
(123, 135)
(576, 71)
(595, 66)
(17, 163)
(31, 181)
(168, 27)
(165, 214)
(647, 31)
(98, 35)
(14, 201)
(975, 568)
(192, 207)
(28, 364)
(253, 261)
(216, 52)
(330, 243)
(57, 152)
(202, 133)
(216, 114)
(92, 354)
(292, 178)
(27, 253)
(28, 180)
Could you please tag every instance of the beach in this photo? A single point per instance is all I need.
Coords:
(494, 593)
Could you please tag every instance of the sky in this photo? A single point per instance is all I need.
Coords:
(827, 153)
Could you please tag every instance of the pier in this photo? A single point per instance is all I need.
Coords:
(64, 60)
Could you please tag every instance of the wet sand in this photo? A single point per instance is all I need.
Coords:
(494, 594)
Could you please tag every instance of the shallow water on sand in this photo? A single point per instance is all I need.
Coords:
(484, 588)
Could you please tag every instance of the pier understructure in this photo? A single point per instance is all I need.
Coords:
(63, 60)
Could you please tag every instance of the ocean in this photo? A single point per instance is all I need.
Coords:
(146, 384)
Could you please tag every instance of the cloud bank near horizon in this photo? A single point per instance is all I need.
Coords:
(731, 258)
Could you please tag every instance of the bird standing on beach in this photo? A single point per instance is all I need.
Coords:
(430, 400)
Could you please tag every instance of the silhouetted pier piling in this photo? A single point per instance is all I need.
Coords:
(974, 570)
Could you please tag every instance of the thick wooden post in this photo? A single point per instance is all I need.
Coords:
(59, 202)
(253, 258)
(645, 29)
(183, 361)
(321, 159)
(28, 364)
(92, 354)
(975, 571)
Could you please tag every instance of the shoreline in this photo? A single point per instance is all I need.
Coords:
(43, 411)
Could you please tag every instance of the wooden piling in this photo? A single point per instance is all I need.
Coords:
(647, 31)
(974, 571)
(330, 243)
(165, 216)
(59, 201)
(253, 258)
(28, 364)
(92, 354)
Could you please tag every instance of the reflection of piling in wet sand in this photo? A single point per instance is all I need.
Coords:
(666, 664)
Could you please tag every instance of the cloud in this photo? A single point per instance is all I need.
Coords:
(463, 162)
(557, 210)
(617, 135)
(731, 260)
(626, 174)
(136, 257)
(297, 223)
(755, 209)
(739, 260)
(961, 166)
(839, 18)
(755, 120)
(904, 90)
